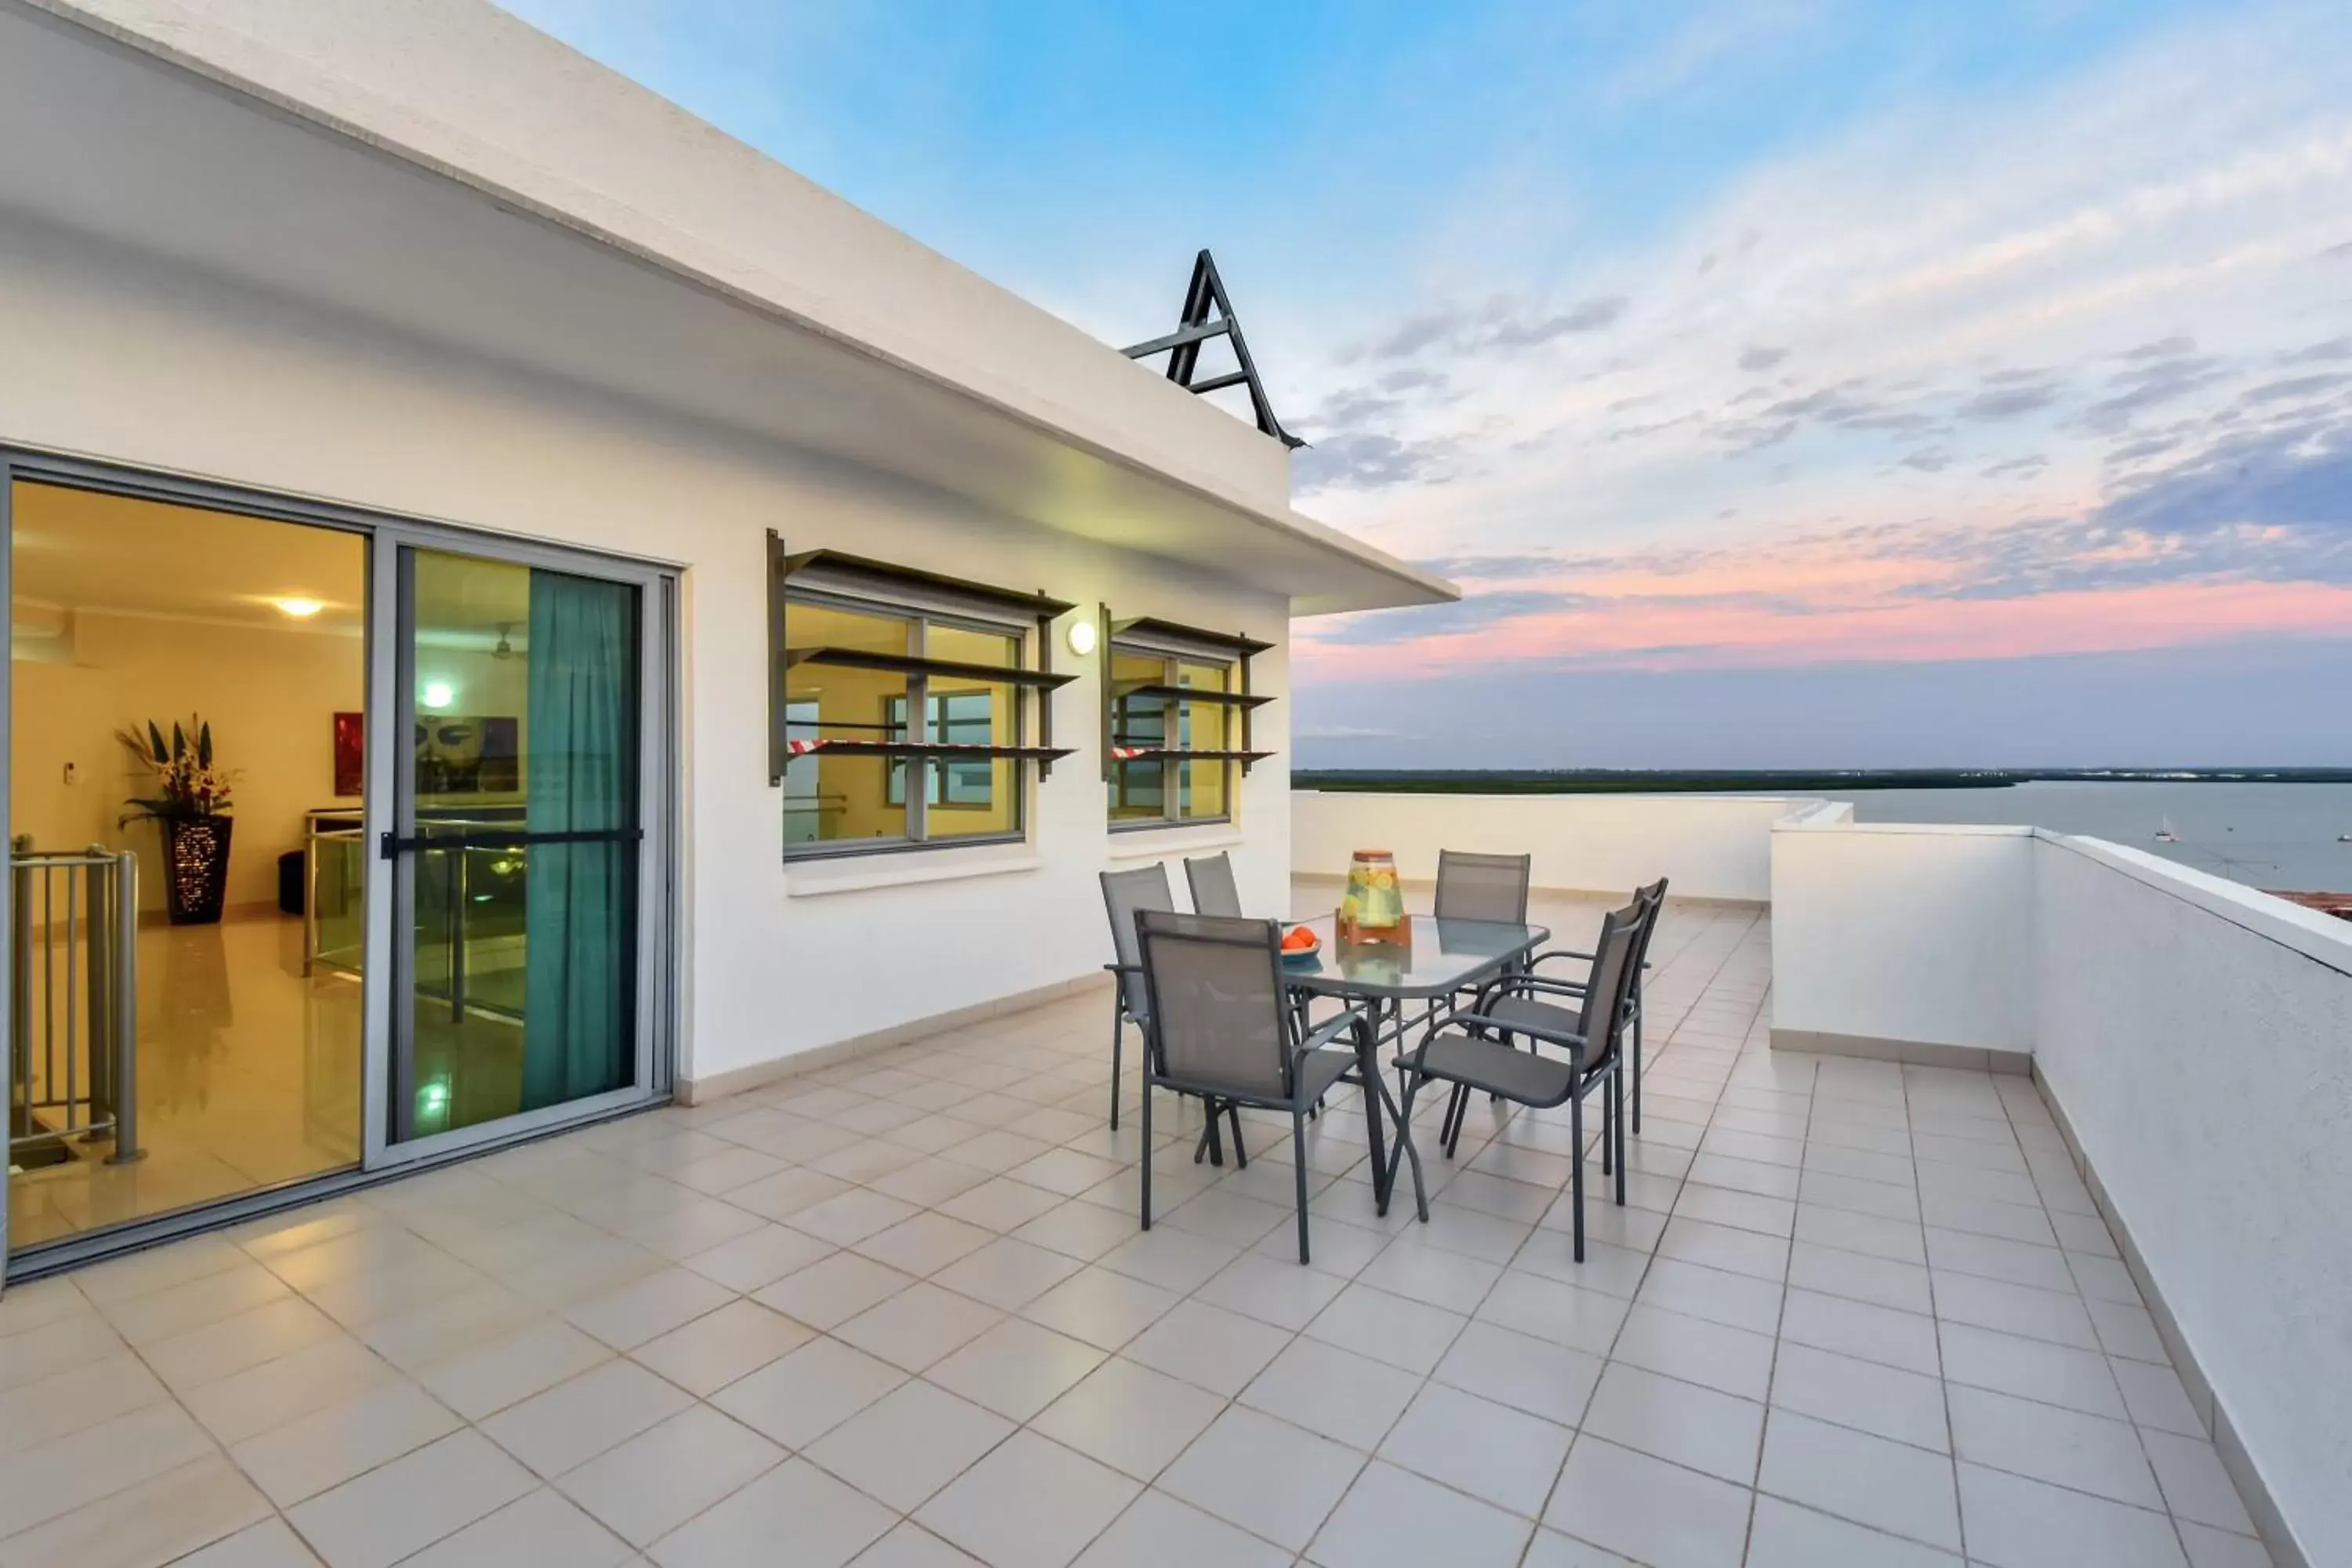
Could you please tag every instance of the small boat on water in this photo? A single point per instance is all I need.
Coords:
(2164, 834)
(2344, 838)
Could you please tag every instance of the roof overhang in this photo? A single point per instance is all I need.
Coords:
(439, 168)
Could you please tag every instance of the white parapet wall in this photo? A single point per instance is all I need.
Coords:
(1707, 846)
(2193, 1035)
(2195, 1038)
(1907, 941)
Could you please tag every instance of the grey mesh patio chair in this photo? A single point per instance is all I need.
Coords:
(1518, 1001)
(1222, 1029)
(1654, 897)
(1211, 877)
(1125, 895)
(1473, 887)
(1462, 1049)
(1482, 887)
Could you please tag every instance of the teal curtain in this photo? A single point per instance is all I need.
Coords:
(580, 772)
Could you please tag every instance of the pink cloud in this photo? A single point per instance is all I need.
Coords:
(1831, 612)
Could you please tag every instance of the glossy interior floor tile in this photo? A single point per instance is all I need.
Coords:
(248, 1075)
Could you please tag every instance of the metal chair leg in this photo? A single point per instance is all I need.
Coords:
(1608, 1131)
(1303, 1007)
(1420, 1186)
(1299, 1169)
(1241, 1155)
(1576, 1177)
(1117, 1041)
(1407, 1149)
(1617, 1089)
(1637, 1056)
(1212, 1146)
(1146, 1152)
(1449, 1127)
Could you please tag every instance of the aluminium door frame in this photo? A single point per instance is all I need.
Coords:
(661, 661)
(8, 832)
(391, 671)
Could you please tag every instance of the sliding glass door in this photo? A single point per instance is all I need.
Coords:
(443, 917)
(186, 1021)
(525, 882)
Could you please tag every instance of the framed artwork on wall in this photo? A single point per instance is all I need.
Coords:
(461, 755)
(351, 756)
(455, 755)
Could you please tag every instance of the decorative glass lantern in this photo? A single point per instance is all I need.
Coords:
(1372, 909)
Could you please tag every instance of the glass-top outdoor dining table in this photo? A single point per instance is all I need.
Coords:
(1394, 987)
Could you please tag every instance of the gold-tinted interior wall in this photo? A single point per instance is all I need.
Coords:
(130, 610)
(829, 797)
(247, 1058)
(972, 799)
(1207, 727)
(1137, 720)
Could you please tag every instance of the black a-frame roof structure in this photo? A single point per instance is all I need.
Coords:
(1207, 295)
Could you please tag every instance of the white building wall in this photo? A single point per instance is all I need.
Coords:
(1709, 847)
(116, 356)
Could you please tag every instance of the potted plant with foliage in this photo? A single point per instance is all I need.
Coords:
(191, 806)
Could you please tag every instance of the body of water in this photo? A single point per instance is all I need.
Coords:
(2281, 836)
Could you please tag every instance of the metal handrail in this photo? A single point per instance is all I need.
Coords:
(99, 993)
(457, 833)
(314, 834)
(471, 833)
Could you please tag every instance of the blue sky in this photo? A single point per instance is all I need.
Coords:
(1788, 382)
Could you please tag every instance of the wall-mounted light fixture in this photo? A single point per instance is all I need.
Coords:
(298, 606)
(437, 695)
(1082, 635)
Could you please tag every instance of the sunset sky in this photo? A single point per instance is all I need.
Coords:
(1787, 383)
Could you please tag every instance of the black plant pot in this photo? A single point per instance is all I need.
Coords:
(196, 868)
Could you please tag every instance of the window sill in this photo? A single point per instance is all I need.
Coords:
(817, 878)
(1176, 838)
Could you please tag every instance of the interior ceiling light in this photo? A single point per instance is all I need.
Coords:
(298, 608)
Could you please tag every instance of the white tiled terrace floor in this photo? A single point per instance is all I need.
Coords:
(898, 1313)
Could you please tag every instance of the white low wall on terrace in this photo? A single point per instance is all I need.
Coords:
(1707, 846)
(1904, 939)
(2196, 1036)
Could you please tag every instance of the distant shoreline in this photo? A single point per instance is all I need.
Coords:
(1623, 781)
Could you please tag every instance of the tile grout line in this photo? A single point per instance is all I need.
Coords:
(1720, 1078)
